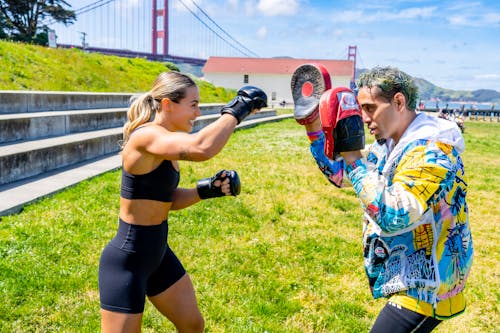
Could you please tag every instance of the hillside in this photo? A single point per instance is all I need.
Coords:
(30, 67)
(429, 91)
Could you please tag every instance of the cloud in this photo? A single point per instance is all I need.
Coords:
(492, 18)
(338, 33)
(359, 16)
(458, 20)
(278, 7)
(412, 13)
(262, 32)
(464, 6)
(249, 8)
(485, 20)
(487, 77)
(233, 4)
(366, 35)
(405, 61)
(185, 6)
(349, 16)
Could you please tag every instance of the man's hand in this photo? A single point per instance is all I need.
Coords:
(351, 156)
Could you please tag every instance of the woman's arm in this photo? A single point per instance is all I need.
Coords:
(184, 197)
(223, 183)
(199, 146)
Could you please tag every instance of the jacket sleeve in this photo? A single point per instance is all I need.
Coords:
(422, 176)
(332, 169)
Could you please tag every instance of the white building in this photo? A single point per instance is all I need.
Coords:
(273, 75)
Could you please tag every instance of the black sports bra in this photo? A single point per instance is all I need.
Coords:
(159, 184)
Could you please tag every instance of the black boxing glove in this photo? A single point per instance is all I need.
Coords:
(248, 99)
(212, 187)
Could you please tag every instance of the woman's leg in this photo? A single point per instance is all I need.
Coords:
(178, 304)
(116, 322)
(396, 319)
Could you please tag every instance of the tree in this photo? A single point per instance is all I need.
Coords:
(26, 20)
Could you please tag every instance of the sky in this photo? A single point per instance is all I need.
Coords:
(453, 44)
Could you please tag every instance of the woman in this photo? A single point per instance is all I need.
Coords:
(138, 261)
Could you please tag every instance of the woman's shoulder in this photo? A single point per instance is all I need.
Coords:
(149, 128)
(147, 132)
(137, 160)
(151, 141)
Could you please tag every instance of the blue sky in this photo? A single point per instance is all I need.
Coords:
(453, 44)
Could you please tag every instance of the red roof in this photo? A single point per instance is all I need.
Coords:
(273, 65)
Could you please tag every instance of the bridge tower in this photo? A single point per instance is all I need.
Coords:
(351, 55)
(160, 26)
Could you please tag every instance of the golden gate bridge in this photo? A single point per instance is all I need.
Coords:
(163, 30)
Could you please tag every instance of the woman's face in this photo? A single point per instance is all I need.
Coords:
(183, 114)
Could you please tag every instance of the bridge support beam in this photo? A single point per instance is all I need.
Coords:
(162, 31)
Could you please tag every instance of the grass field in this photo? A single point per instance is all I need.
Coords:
(284, 256)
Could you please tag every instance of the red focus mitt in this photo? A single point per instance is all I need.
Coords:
(341, 121)
(309, 81)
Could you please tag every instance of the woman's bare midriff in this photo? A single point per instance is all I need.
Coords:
(143, 211)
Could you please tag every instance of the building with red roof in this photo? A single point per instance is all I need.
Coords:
(273, 75)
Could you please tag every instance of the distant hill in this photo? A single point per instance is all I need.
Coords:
(428, 91)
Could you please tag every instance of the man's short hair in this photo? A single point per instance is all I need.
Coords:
(391, 81)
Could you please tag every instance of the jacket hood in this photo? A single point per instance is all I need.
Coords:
(427, 128)
(434, 128)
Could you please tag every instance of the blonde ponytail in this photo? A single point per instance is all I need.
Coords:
(141, 111)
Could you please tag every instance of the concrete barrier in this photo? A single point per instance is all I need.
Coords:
(13, 101)
(36, 101)
(38, 125)
(50, 154)
(16, 127)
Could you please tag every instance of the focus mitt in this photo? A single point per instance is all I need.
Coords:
(309, 82)
(341, 121)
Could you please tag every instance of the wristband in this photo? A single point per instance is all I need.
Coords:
(353, 165)
(313, 136)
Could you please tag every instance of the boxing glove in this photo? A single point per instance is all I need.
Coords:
(212, 187)
(248, 99)
(309, 82)
(341, 121)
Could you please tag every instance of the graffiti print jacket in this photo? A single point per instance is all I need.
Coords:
(416, 235)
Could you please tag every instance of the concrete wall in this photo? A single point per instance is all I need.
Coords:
(21, 126)
(277, 86)
(36, 101)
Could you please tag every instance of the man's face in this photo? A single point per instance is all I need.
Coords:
(379, 115)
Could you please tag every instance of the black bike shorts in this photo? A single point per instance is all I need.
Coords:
(135, 263)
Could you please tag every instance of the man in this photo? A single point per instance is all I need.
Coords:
(411, 184)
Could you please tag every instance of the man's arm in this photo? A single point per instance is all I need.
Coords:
(422, 175)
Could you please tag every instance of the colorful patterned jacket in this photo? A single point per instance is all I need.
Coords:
(416, 236)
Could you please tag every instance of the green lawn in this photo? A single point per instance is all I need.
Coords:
(284, 256)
